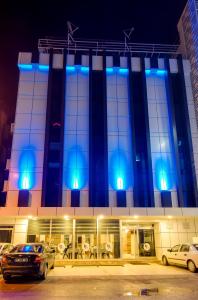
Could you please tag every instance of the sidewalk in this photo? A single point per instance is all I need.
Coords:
(152, 269)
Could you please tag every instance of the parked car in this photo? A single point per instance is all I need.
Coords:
(185, 255)
(28, 259)
(5, 248)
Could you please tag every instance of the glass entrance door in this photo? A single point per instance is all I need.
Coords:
(129, 241)
(146, 242)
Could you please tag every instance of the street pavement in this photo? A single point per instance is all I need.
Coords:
(128, 282)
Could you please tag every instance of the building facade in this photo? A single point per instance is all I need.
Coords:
(188, 28)
(105, 151)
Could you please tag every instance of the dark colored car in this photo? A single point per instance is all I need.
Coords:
(28, 259)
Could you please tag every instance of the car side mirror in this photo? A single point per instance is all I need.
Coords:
(169, 250)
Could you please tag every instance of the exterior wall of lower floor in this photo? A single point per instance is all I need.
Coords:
(126, 238)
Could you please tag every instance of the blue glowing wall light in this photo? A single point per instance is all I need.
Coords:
(120, 173)
(75, 176)
(27, 163)
(117, 70)
(30, 67)
(156, 72)
(163, 173)
(26, 67)
(76, 67)
(43, 67)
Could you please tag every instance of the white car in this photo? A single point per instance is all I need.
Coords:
(5, 248)
(185, 255)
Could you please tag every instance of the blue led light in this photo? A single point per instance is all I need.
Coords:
(109, 70)
(123, 70)
(158, 72)
(75, 175)
(43, 67)
(148, 72)
(120, 183)
(25, 66)
(120, 176)
(27, 169)
(161, 72)
(70, 68)
(84, 69)
(163, 174)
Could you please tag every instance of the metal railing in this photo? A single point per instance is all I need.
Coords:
(44, 45)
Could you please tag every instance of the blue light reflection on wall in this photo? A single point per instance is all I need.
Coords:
(117, 69)
(43, 67)
(164, 178)
(120, 175)
(27, 165)
(26, 67)
(158, 72)
(83, 69)
(75, 176)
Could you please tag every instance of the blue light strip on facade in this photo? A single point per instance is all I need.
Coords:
(83, 69)
(71, 68)
(25, 66)
(116, 69)
(109, 70)
(157, 72)
(43, 67)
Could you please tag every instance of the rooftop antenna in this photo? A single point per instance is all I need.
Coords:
(127, 36)
(71, 28)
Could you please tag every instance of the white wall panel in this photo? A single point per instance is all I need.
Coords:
(29, 131)
(173, 65)
(135, 64)
(70, 59)
(57, 61)
(109, 61)
(161, 63)
(97, 62)
(119, 137)
(24, 58)
(76, 136)
(44, 58)
(123, 62)
(85, 60)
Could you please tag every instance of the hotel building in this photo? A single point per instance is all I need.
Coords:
(105, 150)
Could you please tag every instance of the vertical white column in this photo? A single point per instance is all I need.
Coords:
(29, 131)
(76, 134)
(160, 138)
(119, 135)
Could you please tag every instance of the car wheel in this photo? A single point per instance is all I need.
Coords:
(164, 261)
(44, 275)
(6, 277)
(191, 266)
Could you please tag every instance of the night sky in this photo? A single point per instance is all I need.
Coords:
(22, 24)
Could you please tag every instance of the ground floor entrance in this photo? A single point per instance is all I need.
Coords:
(93, 238)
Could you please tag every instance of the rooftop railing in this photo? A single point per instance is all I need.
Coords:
(44, 45)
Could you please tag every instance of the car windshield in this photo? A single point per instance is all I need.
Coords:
(196, 246)
(27, 248)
